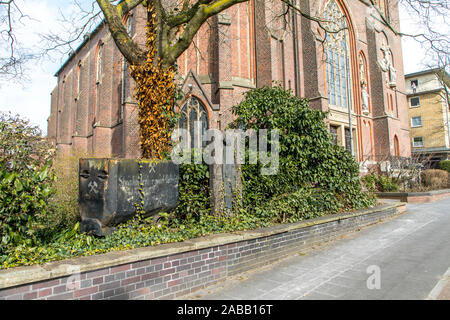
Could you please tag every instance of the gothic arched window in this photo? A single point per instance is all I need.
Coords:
(337, 56)
(129, 26)
(123, 88)
(99, 61)
(194, 118)
(78, 77)
(396, 146)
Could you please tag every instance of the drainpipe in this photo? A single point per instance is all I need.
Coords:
(57, 116)
(296, 67)
(446, 101)
(349, 101)
(447, 104)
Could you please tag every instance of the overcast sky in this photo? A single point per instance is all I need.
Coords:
(32, 98)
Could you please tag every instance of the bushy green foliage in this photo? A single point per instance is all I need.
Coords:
(445, 165)
(191, 218)
(369, 181)
(132, 234)
(315, 176)
(381, 183)
(25, 181)
(194, 195)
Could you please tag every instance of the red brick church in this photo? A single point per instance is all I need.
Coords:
(250, 45)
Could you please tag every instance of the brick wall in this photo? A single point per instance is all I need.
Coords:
(175, 275)
(239, 49)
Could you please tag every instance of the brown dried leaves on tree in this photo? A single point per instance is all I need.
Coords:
(155, 92)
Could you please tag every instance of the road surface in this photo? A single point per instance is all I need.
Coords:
(407, 257)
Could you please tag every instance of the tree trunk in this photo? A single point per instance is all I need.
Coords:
(155, 92)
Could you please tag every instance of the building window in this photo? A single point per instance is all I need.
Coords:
(78, 75)
(414, 102)
(417, 142)
(392, 102)
(63, 90)
(396, 146)
(194, 119)
(414, 85)
(416, 122)
(124, 80)
(337, 56)
(334, 134)
(99, 62)
(129, 25)
(348, 140)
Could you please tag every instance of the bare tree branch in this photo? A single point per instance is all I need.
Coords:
(12, 56)
(180, 20)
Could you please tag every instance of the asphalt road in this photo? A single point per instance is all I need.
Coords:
(407, 257)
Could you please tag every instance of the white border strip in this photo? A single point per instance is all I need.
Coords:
(434, 294)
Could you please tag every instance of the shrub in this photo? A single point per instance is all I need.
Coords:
(369, 181)
(25, 181)
(445, 165)
(314, 174)
(194, 193)
(381, 183)
(387, 184)
(434, 178)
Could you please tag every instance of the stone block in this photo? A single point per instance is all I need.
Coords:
(110, 189)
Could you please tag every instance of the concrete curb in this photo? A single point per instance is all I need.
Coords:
(415, 197)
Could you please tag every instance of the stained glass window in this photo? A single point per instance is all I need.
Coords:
(194, 118)
(334, 134)
(337, 55)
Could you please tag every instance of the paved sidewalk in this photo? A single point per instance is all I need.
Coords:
(409, 255)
